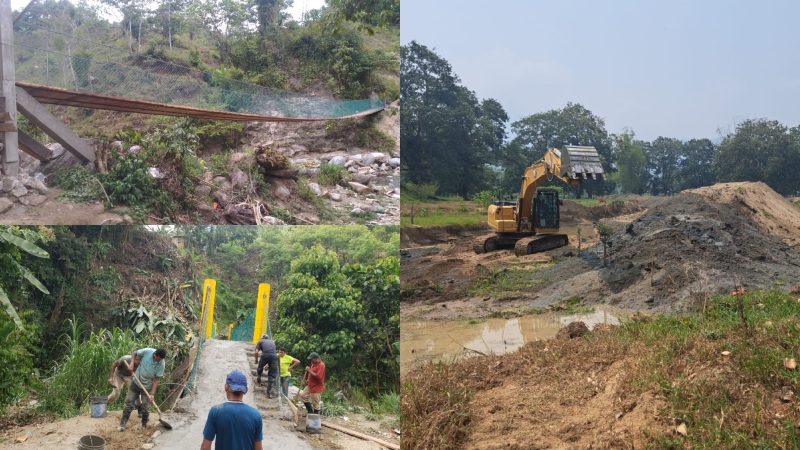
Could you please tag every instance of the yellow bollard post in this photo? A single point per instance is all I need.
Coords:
(207, 312)
(230, 331)
(262, 309)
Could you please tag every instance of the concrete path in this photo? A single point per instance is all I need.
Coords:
(189, 415)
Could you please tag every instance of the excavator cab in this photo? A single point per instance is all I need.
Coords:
(546, 210)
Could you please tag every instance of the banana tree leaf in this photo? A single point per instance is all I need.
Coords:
(139, 326)
(10, 308)
(24, 245)
(28, 275)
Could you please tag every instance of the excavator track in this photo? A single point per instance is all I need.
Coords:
(540, 243)
(484, 244)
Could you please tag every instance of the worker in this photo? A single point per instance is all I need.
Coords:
(287, 363)
(121, 376)
(149, 373)
(312, 394)
(269, 358)
(235, 426)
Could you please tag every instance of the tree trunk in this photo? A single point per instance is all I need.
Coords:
(139, 38)
(169, 23)
(130, 35)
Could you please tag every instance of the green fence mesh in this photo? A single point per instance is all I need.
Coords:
(244, 331)
(49, 58)
(207, 315)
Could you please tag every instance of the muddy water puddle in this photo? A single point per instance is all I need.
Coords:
(445, 340)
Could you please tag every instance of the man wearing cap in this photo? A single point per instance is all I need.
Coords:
(287, 364)
(235, 426)
(312, 393)
(149, 373)
(269, 358)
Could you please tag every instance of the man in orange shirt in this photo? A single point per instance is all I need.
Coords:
(312, 393)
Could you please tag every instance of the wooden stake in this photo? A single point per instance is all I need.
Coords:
(362, 436)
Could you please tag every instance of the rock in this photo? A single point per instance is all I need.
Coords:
(239, 179)
(208, 177)
(358, 187)
(356, 159)
(221, 198)
(220, 180)
(19, 191)
(5, 204)
(380, 157)
(336, 197)
(9, 184)
(36, 185)
(156, 173)
(352, 169)
(25, 200)
(134, 150)
(326, 194)
(309, 170)
(394, 162)
(282, 192)
(37, 199)
(682, 430)
(376, 208)
(338, 161)
(573, 330)
(350, 163)
(155, 435)
(369, 159)
(362, 178)
(206, 211)
(789, 363)
(356, 212)
(202, 190)
(269, 220)
(127, 218)
(236, 158)
(315, 187)
(227, 186)
(39, 176)
(308, 219)
(147, 446)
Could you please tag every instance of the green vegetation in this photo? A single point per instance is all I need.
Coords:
(698, 364)
(438, 218)
(499, 282)
(331, 174)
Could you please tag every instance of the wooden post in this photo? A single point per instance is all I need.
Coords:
(9, 155)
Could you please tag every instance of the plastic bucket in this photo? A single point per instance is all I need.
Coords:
(313, 423)
(91, 442)
(98, 406)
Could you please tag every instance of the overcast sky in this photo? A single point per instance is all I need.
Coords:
(678, 69)
(296, 10)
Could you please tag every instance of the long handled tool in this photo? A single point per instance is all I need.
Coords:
(163, 422)
(302, 385)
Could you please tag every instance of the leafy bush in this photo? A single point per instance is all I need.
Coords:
(16, 359)
(79, 184)
(331, 174)
(420, 192)
(483, 198)
(129, 181)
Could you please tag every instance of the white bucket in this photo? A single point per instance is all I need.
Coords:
(313, 423)
(98, 406)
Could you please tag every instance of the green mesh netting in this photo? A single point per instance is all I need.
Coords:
(49, 58)
(244, 331)
(201, 339)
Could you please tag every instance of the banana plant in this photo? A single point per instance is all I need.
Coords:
(12, 240)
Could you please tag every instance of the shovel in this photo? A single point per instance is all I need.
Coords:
(163, 422)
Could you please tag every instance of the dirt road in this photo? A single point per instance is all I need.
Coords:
(189, 415)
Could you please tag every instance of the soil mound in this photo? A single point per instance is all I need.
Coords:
(415, 236)
(571, 211)
(700, 243)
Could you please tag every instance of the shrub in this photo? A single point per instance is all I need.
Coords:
(331, 174)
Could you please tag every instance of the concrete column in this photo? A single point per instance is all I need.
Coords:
(9, 156)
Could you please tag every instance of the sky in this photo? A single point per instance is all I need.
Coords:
(680, 69)
(296, 10)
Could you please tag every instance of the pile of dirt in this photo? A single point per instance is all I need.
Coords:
(415, 236)
(571, 211)
(700, 243)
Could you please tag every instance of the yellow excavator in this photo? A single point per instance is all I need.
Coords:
(531, 224)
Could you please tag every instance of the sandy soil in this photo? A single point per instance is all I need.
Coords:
(54, 212)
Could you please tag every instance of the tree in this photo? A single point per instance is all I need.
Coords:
(448, 135)
(663, 156)
(367, 13)
(760, 150)
(320, 310)
(631, 163)
(572, 125)
(696, 166)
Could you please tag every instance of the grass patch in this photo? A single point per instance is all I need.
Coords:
(500, 281)
(440, 219)
(676, 360)
(331, 174)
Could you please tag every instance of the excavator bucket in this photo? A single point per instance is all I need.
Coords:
(579, 162)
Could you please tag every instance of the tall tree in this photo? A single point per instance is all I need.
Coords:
(448, 135)
(760, 150)
(631, 163)
(696, 166)
(572, 125)
(663, 155)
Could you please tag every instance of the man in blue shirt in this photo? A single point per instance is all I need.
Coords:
(150, 371)
(235, 425)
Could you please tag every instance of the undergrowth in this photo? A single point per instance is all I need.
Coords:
(722, 372)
